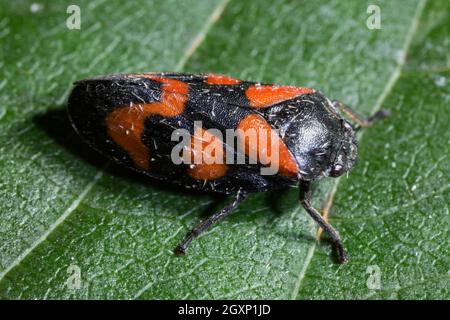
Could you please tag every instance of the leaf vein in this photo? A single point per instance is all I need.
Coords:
(73, 206)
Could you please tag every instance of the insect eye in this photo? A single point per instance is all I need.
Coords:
(337, 170)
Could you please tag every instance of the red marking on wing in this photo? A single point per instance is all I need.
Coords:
(126, 124)
(261, 96)
(207, 171)
(205, 145)
(168, 84)
(221, 79)
(287, 166)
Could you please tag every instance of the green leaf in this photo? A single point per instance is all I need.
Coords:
(61, 206)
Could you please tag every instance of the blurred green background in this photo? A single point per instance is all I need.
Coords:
(64, 213)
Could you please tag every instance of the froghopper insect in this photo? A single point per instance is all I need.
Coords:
(130, 118)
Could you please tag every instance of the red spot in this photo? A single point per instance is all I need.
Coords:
(287, 166)
(126, 124)
(169, 85)
(206, 145)
(261, 96)
(221, 79)
(207, 171)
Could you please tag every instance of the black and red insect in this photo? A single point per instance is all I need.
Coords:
(130, 118)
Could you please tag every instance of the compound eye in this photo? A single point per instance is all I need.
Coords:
(337, 170)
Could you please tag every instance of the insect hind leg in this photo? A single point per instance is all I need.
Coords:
(180, 250)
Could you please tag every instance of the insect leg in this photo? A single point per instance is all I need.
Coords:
(205, 224)
(305, 200)
(360, 121)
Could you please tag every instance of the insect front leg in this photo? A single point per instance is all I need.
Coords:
(305, 200)
(205, 224)
(361, 122)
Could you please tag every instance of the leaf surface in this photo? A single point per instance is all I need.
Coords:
(62, 206)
